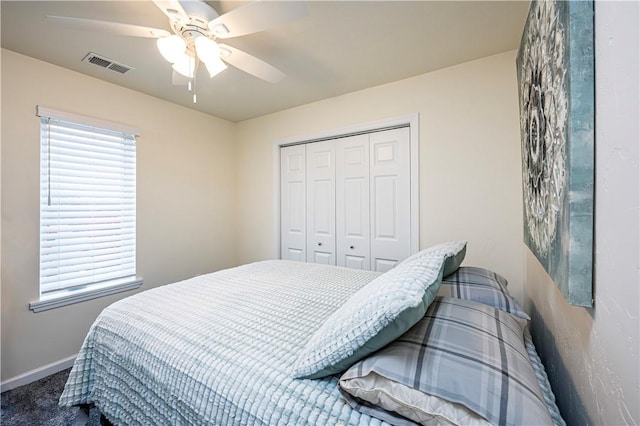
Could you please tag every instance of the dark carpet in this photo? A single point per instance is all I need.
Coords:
(36, 404)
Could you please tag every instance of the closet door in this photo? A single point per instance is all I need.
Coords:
(293, 230)
(390, 198)
(352, 202)
(321, 202)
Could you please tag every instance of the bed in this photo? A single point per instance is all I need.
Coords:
(225, 348)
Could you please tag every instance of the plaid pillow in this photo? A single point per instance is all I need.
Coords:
(464, 353)
(481, 285)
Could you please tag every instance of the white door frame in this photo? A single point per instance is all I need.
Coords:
(410, 120)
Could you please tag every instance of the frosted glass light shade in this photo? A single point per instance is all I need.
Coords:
(185, 65)
(207, 49)
(209, 53)
(172, 48)
(215, 67)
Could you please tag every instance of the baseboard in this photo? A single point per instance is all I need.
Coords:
(37, 374)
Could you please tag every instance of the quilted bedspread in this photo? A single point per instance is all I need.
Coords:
(217, 349)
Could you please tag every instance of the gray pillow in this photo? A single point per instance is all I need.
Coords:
(469, 356)
(481, 285)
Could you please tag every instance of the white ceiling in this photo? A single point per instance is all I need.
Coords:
(339, 47)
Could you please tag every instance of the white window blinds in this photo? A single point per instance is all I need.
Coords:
(87, 202)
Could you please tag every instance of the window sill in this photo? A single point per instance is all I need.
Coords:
(69, 297)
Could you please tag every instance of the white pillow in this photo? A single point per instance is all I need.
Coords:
(410, 403)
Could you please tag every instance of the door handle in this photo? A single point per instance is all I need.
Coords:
(351, 247)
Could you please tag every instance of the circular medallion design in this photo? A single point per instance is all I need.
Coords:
(543, 122)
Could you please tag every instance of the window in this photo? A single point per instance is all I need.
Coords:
(87, 209)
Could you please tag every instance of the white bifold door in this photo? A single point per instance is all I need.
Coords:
(352, 203)
(293, 226)
(390, 204)
(350, 206)
(321, 202)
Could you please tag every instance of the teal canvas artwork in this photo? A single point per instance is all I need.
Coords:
(555, 69)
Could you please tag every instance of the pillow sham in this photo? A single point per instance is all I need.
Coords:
(464, 362)
(454, 250)
(375, 315)
(481, 285)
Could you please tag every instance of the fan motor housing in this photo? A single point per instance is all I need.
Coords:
(190, 33)
(200, 14)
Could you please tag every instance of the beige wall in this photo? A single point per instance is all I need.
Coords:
(469, 159)
(186, 200)
(591, 355)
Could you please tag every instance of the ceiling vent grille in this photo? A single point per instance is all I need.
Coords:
(101, 61)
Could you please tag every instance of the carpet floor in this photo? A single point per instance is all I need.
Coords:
(36, 404)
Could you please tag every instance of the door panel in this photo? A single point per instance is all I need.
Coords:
(296, 207)
(386, 208)
(390, 197)
(295, 254)
(293, 203)
(356, 206)
(352, 202)
(322, 201)
(383, 265)
(356, 262)
(325, 258)
(321, 207)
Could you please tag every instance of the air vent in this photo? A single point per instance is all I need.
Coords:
(101, 61)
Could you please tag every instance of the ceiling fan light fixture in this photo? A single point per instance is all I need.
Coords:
(215, 67)
(185, 65)
(207, 49)
(208, 52)
(172, 48)
(197, 27)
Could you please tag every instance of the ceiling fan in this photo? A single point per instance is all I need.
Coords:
(196, 28)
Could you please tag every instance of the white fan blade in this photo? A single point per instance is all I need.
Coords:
(173, 9)
(250, 64)
(109, 27)
(256, 16)
(178, 79)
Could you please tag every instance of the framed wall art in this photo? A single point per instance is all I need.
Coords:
(555, 68)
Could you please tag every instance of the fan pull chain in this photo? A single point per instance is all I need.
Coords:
(195, 79)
